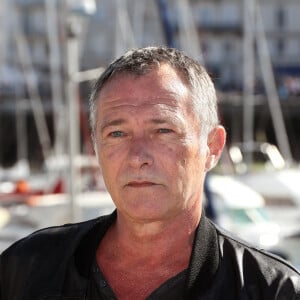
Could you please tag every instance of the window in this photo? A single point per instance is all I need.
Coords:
(280, 46)
(281, 20)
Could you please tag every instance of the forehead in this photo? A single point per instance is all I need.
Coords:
(163, 85)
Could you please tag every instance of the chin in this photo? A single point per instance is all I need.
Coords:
(152, 205)
(142, 212)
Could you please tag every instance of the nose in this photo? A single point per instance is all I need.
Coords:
(139, 153)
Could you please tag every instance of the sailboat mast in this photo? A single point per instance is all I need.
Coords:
(124, 37)
(188, 35)
(272, 95)
(249, 77)
(3, 32)
(31, 82)
(56, 80)
(138, 24)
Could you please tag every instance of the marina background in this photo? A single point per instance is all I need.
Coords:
(51, 50)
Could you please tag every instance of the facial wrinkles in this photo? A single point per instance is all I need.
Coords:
(169, 97)
(164, 98)
(185, 136)
(152, 114)
(166, 85)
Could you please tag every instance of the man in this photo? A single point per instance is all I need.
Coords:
(156, 134)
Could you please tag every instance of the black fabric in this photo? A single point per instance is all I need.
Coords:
(54, 264)
(172, 289)
(86, 250)
(205, 258)
(98, 287)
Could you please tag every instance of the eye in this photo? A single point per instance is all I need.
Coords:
(164, 130)
(116, 134)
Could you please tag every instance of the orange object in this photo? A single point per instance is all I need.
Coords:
(22, 187)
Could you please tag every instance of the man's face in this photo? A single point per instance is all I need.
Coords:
(148, 144)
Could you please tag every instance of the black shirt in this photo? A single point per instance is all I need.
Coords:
(56, 263)
(98, 287)
(174, 288)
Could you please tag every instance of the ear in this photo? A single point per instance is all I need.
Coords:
(215, 143)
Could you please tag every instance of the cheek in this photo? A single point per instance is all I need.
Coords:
(108, 160)
(193, 161)
(176, 161)
(171, 156)
(110, 153)
(110, 170)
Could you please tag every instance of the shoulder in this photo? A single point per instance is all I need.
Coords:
(42, 261)
(57, 239)
(48, 237)
(253, 264)
(37, 256)
(231, 244)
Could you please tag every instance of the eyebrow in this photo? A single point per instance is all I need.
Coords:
(115, 122)
(121, 121)
(174, 120)
(158, 121)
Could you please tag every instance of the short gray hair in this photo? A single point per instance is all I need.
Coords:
(141, 61)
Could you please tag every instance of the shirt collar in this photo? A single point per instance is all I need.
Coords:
(85, 252)
(203, 264)
(205, 257)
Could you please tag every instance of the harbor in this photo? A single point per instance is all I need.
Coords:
(50, 53)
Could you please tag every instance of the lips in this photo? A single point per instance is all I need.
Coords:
(138, 184)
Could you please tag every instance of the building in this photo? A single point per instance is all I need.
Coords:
(120, 24)
(220, 26)
(214, 27)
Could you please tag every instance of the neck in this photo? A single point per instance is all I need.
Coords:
(146, 254)
(156, 239)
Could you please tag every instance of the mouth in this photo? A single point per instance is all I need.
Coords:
(140, 184)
